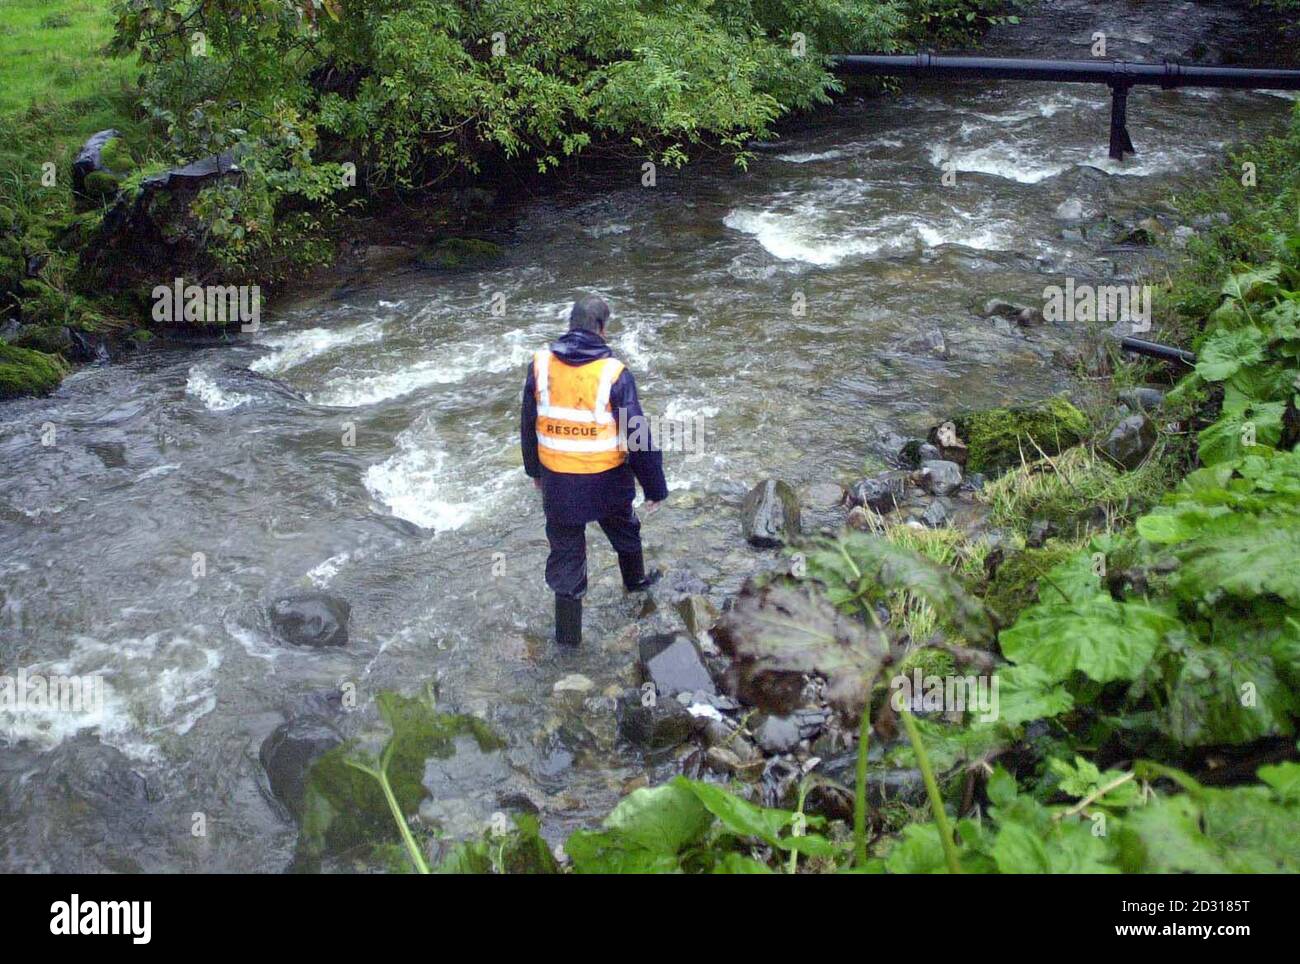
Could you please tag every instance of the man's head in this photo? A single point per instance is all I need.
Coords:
(589, 314)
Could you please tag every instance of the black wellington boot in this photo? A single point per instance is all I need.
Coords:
(568, 620)
(632, 566)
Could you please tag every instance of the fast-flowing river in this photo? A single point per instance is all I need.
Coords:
(184, 488)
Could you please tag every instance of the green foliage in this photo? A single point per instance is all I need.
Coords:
(355, 791)
(692, 827)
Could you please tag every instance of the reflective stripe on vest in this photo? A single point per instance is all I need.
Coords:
(576, 428)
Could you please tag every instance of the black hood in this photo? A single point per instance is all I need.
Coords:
(579, 347)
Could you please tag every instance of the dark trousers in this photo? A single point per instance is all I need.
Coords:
(566, 566)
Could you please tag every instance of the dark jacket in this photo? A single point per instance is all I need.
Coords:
(573, 499)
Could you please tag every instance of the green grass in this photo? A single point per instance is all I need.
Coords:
(50, 54)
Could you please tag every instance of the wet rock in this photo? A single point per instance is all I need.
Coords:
(941, 477)
(1146, 232)
(825, 494)
(721, 760)
(770, 514)
(674, 665)
(459, 254)
(288, 753)
(931, 342)
(1040, 530)
(1030, 317)
(777, 734)
(310, 618)
(951, 448)
(662, 725)
(1142, 399)
(677, 584)
(936, 515)
(859, 519)
(574, 683)
(91, 160)
(698, 614)
(916, 451)
(1071, 209)
(880, 493)
(1130, 441)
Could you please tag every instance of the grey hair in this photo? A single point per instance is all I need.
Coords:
(589, 313)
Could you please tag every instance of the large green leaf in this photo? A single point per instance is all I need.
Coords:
(1227, 352)
(778, 634)
(1098, 636)
(1244, 556)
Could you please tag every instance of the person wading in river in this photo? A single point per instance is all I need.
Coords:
(578, 432)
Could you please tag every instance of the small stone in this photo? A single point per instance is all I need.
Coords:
(1040, 530)
(936, 515)
(825, 494)
(1130, 441)
(722, 760)
(941, 477)
(881, 492)
(777, 734)
(573, 683)
(698, 614)
(1142, 399)
(660, 726)
(1071, 209)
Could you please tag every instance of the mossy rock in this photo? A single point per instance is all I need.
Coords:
(460, 254)
(27, 372)
(50, 339)
(1014, 586)
(101, 185)
(116, 156)
(995, 437)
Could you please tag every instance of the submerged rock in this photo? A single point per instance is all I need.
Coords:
(770, 514)
(310, 618)
(1071, 209)
(459, 254)
(288, 753)
(1130, 441)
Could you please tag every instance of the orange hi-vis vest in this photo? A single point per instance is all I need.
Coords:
(576, 428)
